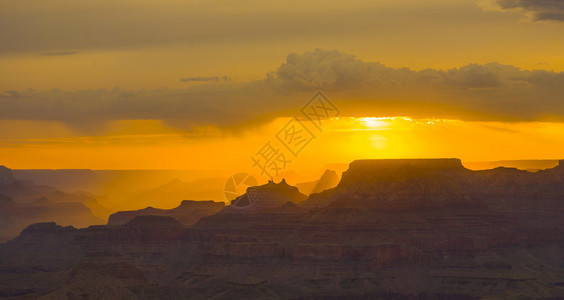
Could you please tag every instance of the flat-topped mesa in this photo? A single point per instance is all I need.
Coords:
(370, 170)
(195, 204)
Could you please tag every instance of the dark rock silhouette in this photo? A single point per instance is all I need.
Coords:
(153, 222)
(328, 180)
(391, 229)
(170, 193)
(6, 176)
(23, 203)
(268, 198)
(15, 217)
(187, 213)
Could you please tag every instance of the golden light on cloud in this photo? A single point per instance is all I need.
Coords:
(374, 123)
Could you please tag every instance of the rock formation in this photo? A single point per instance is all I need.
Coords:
(15, 217)
(23, 203)
(6, 176)
(328, 180)
(187, 213)
(265, 198)
(391, 229)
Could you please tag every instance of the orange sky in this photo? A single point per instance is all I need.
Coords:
(152, 145)
(205, 84)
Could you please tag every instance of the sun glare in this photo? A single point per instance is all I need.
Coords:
(374, 123)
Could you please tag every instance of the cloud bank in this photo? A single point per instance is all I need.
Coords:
(490, 91)
(552, 10)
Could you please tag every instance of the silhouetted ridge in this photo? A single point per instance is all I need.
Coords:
(46, 228)
(398, 229)
(400, 184)
(187, 213)
(328, 180)
(198, 204)
(153, 222)
(6, 176)
(268, 196)
(28, 203)
(269, 191)
(560, 165)
(393, 169)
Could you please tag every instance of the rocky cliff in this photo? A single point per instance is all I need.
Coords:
(443, 183)
(406, 184)
(394, 229)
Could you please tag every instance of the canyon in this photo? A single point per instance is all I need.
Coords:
(390, 229)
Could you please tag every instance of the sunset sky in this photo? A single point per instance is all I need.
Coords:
(208, 83)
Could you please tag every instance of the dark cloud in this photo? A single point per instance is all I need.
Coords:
(539, 9)
(325, 70)
(205, 79)
(59, 53)
(335, 71)
(225, 105)
(30, 26)
(490, 91)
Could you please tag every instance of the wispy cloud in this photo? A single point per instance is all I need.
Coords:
(59, 53)
(205, 79)
(538, 10)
